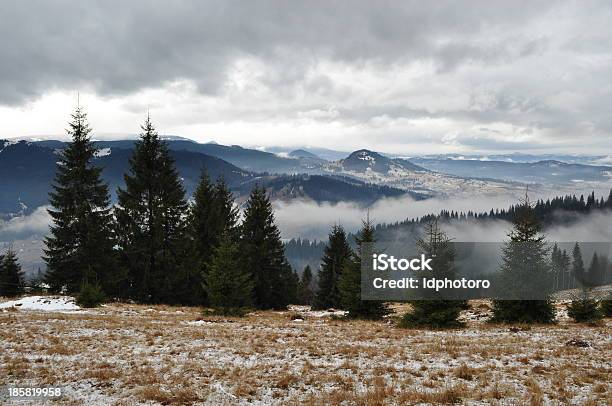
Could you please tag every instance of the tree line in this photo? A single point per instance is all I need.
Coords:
(154, 246)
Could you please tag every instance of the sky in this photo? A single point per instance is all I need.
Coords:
(402, 77)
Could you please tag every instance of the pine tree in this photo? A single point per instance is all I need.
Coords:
(337, 253)
(431, 310)
(349, 282)
(524, 272)
(80, 246)
(11, 275)
(151, 224)
(228, 284)
(263, 253)
(305, 294)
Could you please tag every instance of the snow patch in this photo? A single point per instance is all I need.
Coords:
(103, 152)
(43, 303)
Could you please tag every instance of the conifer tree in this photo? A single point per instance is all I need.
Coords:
(349, 283)
(430, 310)
(524, 272)
(80, 246)
(305, 294)
(606, 306)
(585, 309)
(578, 273)
(263, 253)
(11, 275)
(212, 214)
(337, 253)
(229, 285)
(151, 222)
(591, 278)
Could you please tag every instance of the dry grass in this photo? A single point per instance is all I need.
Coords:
(129, 354)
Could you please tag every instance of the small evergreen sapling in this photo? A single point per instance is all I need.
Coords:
(349, 282)
(606, 306)
(228, 285)
(430, 310)
(90, 295)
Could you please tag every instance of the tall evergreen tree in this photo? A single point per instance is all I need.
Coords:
(305, 294)
(349, 282)
(228, 284)
(430, 309)
(337, 254)
(80, 246)
(524, 272)
(578, 272)
(592, 277)
(212, 214)
(11, 275)
(263, 253)
(151, 222)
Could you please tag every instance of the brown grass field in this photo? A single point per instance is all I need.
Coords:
(124, 354)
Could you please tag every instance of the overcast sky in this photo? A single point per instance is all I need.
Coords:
(400, 77)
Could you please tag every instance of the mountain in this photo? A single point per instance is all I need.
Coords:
(300, 153)
(550, 172)
(321, 189)
(27, 170)
(373, 167)
(527, 158)
(364, 160)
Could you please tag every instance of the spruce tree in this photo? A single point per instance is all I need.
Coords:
(592, 277)
(431, 310)
(229, 285)
(151, 223)
(337, 253)
(11, 275)
(263, 253)
(585, 309)
(606, 306)
(578, 272)
(80, 246)
(349, 282)
(524, 272)
(305, 294)
(212, 214)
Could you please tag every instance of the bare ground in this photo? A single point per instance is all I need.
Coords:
(129, 354)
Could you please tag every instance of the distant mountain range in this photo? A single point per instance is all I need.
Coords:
(27, 169)
(544, 172)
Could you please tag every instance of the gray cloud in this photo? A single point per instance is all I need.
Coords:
(533, 72)
(118, 47)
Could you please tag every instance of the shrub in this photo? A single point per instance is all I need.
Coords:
(90, 296)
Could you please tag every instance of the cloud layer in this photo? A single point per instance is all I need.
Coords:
(401, 76)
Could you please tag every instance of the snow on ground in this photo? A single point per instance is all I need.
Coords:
(42, 303)
(126, 354)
